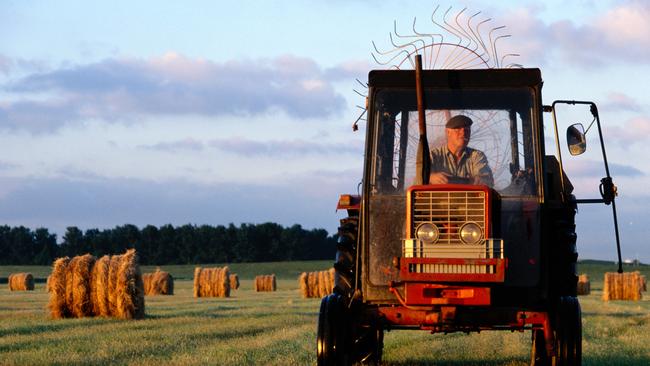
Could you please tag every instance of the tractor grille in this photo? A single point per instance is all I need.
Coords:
(449, 210)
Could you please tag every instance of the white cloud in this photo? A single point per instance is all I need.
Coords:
(122, 89)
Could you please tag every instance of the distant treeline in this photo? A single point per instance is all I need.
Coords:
(187, 244)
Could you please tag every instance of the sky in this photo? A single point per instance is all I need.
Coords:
(212, 112)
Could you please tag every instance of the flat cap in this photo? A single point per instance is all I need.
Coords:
(459, 121)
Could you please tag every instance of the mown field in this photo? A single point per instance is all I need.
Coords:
(280, 328)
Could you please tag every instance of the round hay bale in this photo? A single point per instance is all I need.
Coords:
(158, 283)
(113, 270)
(100, 287)
(583, 286)
(21, 282)
(302, 282)
(81, 282)
(312, 284)
(234, 281)
(197, 282)
(57, 303)
(129, 288)
(224, 282)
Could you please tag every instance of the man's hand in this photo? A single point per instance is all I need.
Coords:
(439, 178)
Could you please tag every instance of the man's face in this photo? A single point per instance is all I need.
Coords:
(458, 138)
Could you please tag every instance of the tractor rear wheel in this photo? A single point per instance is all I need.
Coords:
(568, 332)
(369, 344)
(346, 250)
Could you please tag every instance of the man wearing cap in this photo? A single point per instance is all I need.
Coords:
(456, 160)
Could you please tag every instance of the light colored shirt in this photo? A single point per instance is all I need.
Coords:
(472, 164)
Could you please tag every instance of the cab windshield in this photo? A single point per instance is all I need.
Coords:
(500, 133)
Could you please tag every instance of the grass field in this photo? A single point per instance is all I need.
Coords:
(280, 329)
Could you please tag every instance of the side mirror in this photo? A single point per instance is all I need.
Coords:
(575, 139)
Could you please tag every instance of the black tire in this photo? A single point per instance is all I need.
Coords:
(568, 332)
(538, 355)
(368, 345)
(346, 250)
(332, 343)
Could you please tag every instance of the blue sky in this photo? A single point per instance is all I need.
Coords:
(213, 112)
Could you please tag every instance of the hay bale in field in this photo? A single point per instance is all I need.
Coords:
(130, 289)
(197, 282)
(265, 283)
(80, 282)
(83, 286)
(22, 281)
(302, 282)
(158, 283)
(622, 286)
(212, 282)
(644, 283)
(234, 281)
(57, 304)
(316, 284)
(99, 292)
(584, 287)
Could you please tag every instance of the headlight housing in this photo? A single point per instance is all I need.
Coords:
(470, 233)
(427, 232)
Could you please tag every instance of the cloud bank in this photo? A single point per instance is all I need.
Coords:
(172, 85)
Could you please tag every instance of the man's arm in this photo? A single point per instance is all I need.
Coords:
(481, 171)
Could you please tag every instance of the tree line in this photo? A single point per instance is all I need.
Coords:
(167, 244)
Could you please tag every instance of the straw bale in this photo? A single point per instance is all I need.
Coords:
(100, 288)
(331, 273)
(322, 289)
(212, 282)
(234, 281)
(158, 283)
(113, 270)
(21, 282)
(584, 287)
(129, 288)
(302, 281)
(81, 272)
(622, 286)
(57, 303)
(267, 283)
(197, 277)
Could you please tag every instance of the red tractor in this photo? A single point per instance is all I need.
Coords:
(461, 256)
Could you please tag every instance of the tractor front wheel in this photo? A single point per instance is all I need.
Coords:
(332, 338)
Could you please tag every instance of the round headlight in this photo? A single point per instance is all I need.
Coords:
(427, 232)
(470, 233)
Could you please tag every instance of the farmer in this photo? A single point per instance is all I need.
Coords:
(456, 162)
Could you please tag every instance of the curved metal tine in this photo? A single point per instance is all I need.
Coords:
(453, 52)
(469, 26)
(442, 37)
(480, 37)
(509, 55)
(408, 57)
(406, 45)
(380, 52)
(433, 42)
(392, 58)
(495, 47)
(496, 60)
(463, 61)
(513, 65)
(365, 85)
(358, 92)
(463, 36)
(360, 107)
(472, 55)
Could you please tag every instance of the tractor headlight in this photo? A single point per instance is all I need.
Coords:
(470, 233)
(427, 232)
